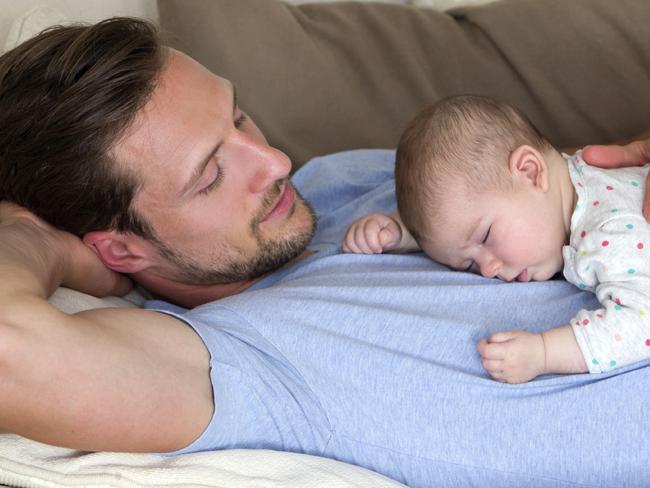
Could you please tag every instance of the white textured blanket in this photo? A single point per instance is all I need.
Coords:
(25, 463)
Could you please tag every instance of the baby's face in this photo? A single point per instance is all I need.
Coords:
(514, 235)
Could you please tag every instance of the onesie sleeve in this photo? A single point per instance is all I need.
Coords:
(613, 261)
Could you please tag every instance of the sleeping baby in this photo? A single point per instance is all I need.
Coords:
(479, 189)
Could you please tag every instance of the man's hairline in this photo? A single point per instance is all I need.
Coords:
(124, 170)
(120, 166)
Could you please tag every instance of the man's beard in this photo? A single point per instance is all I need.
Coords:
(271, 254)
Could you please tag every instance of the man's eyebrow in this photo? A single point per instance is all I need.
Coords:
(200, 168)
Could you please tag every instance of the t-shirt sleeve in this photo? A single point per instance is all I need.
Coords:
(261, 401)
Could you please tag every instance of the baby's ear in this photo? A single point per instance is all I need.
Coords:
(528, 167)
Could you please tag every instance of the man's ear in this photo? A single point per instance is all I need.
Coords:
(528, 166)
(124, 253)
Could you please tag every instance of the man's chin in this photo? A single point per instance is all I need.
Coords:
(269, 258)
(272, 255)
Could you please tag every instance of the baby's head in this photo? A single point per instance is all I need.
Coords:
(482, 190)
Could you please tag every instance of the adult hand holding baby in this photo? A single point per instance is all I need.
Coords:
(634, 153)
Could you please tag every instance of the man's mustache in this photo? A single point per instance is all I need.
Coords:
(270, 199)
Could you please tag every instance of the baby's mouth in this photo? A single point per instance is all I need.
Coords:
(523, 276)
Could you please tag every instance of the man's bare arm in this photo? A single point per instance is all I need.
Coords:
(109, 379)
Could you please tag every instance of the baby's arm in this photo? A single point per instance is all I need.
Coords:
(612, 261)
(376, 233)
(519, 356)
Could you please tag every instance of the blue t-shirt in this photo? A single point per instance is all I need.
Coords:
(372, 360)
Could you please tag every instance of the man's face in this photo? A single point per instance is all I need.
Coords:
(511, 235)
(216, 194)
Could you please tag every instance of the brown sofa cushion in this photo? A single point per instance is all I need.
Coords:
(320, 78)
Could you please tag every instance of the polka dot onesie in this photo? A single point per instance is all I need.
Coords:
(608, 254)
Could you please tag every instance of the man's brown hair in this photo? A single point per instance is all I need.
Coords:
(463, 138)
(66, 97)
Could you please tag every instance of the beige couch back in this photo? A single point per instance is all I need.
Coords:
(335, 76)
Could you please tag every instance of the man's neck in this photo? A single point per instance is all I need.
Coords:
(189, 295)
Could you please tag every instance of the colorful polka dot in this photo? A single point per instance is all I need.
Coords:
(582, 286)
(618, 300)
(605, 269)
(631, 271)
(583, 253)
(634, 183)
(600, 315)
(609, 187)
(614, 210)
(596, 203)
(640, 245)
(647, 342)
(583, 234)
(617, 307)
(642, 313)
(630, 226)
(612, 363)
(618, 338)
(604, 243)
(585, 322)
(594, 361)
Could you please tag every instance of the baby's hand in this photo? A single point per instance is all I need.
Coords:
(514, 356)
(372, 234)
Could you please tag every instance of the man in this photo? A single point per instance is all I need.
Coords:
(297, 348)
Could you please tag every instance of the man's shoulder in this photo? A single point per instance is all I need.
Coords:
(344, 186)
(359, 165)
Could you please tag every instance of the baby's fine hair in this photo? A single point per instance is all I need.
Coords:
(465, 138)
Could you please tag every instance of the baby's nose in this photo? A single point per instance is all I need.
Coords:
(489, 268)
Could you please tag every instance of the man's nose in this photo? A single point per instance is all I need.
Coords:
(267, 164)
